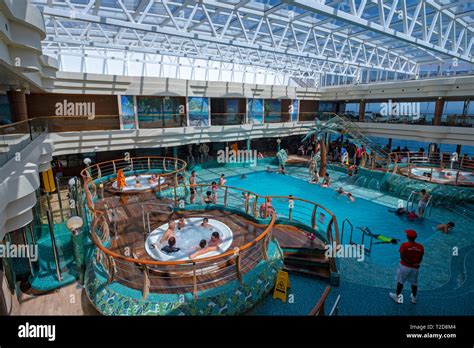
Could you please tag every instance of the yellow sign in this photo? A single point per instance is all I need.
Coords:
(281, 286)
(48, 181)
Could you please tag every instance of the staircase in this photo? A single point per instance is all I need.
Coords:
(309, 261)
(358, 134)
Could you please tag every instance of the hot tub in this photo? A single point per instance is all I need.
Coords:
(188, 238)
(443, 176)
(130, 181)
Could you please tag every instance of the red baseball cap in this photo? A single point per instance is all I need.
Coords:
(411, 234)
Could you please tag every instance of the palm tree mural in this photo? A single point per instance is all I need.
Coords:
(319, 131)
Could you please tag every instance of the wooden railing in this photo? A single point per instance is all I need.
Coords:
(318, 309)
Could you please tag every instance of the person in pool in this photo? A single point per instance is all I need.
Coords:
(153, 179)
(266, 209)
(138, 182)
(423, 202)
(181, 223)
(326, 181)
(208, 199)
(222, 180)
(205, 223)
(192, 186)
(170, 248)
(170, 232)
(445, 228)
(213, 245)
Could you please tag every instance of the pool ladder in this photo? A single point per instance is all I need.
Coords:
(411, 204)
(367, 251)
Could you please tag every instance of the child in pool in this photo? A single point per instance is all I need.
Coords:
(137, 181)
(208, 199)
(326, 181)
(214, 191)
(222, 180)
(181, 223)
(205, 223)
(445, 228)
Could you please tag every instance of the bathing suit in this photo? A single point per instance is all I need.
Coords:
(169, 250)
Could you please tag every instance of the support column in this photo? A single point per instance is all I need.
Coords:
(17, 100)
(361, 110)
(458, 149)
(278, 144)
(389, 143)
(74, 225)
(175, 151)
(438, 111)
(248, 144)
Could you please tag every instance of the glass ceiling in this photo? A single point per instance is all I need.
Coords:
(305, 41)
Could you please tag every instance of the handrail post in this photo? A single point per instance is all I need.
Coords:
(225, 196)
(255, 214)
(194, 281)
(60, 203)
(111, 269)
(237, 264)
(149, 164)
(313, 217)
(115, 168)
(264, 246)
(146, 282)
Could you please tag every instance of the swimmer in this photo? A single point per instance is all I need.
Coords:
(208, 199)
(205, 223)
(340, 191)
(213, 245)
(282, 170)
(222, 180)
(412, 216)
(243, 176)
(326, 181)
(383, 239)
(350, 197)
(170, 232)
(170, 248)
(181, 223)
(269, 170)
(445, 228)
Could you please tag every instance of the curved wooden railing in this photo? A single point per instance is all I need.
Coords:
(404, 161)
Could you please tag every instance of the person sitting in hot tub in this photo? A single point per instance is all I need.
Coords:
(138, 183)
(170, 232)
(181, 223)
(170, 248)
(153, 179)
(205, 223)
(213, 245)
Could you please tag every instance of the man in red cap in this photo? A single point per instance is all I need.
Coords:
(411, 254)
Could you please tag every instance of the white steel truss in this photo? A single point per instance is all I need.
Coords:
(298, 38)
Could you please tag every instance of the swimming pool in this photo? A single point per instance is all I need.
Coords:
(188, 238)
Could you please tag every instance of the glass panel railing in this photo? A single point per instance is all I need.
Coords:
(227, 119)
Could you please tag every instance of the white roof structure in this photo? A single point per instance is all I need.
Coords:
(262, 41)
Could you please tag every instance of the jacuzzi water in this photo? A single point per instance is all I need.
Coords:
(130, 181)
(445, 175)
(188, 238)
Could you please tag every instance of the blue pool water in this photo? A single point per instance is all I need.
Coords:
(361, 213)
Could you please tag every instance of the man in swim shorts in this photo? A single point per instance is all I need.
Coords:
(192, 186)
(411, 254)
(424, 198)
(170, 232)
